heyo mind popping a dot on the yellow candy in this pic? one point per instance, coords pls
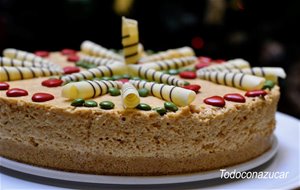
(4, 61)
(99, 61)
(177, 95)
(130, 96)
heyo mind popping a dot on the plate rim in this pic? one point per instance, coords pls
(139, 180)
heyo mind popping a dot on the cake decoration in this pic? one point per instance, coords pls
(193, 87)
(177, 95)
(52, 82)
(16, 92)
(70, 70)
(170, 106)
(67, 51)
(77, 102)
(106, 105)
(143, 106)
(217, 101)
(42, 97)
(234, 97)
(42, 53)
(93, 49)
(4, 86)
(160, 110)
(20, 73)
(98, 61)
(130, 96)
(90, 103)
(88, 89)
(143, 92)
(255, 93)
(73, 58)
(188, 75)
(231, 64)
(130, 40)
(268, 85)
(4, 61)
(201, 65)
(114, 91)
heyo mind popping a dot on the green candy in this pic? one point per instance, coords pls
(106, 78)
(170, 106)
(268, 84)
(107, 105)
(143, 106)
(173, 72)
(126, 76)
(136, 78)
(187, 69)
(186, 83)
(90, 103)
(77, 102)
(165, 72)
(160, 110)
(143, 92)
(114, 91)
(117, 77)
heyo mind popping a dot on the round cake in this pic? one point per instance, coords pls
(159, 114)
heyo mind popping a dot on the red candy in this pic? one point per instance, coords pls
(201, 65)
(71, 69)
(123, 80)
(68, 52)
(73, 58)
(254, 93)
(52, 82)
(219, 61)
(188, 75)
(193, 87)
(42, 97)
(215, 101)
(16, 92)
(234, 97)
(203, 59)
(4, 86)
(42, 53)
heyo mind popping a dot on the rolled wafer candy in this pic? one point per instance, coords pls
(238, 80)
(157, 76)
(26, 56)
(169, 54)
(99, 61)
(20, 73)
(177, 95)
(4, 61)
(88, 89)
(93, 49)
(130, 40)
(174, 63)
(118, 68)
(231, 64)
(130, 96)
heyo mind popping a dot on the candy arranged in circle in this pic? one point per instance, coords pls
(71, 69)
(16, 92)
(73, 58)
(52, 82)
(234, 97)
(188, 75)
(217, 101)
(67, 51)
(4, 86)
(106, 105)
(255, 93)
(193, 87)
(42, 97)
(42, 53)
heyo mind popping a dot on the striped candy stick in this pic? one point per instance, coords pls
(130, 40)
(99, 61)
(4, 61)
(93, 49)
(157, 76)
(177, 95)
(169, 54)
(88, 89)
(118, 68)
(130, 96)
(231, 64)
(20, 73)
(238, 80)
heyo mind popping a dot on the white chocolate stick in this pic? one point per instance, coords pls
(231, 64)
(177, 95)
(169, 54)
(157, 76)
(130, 96)
(4, 61)
(118, 68)
(88, 89)
(174, 63)
(26, 56)
(93, 49)
(130, 40)
(238, 80)
(99, 61)
(20, 73)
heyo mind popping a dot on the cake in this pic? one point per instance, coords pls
(137, 114)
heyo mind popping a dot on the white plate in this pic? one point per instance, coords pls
(287, 160)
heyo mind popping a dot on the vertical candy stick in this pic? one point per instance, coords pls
(130, 96)
(238, 80)
(26, 56)
(93, 49)
(177, 95)
(157, 76)
(20, 73)
(130, 40)
(231, 64)
(99, 61)
(117, 68)
(88, 89)
(4, 61)
(169, 54)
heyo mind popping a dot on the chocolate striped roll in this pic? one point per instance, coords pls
(169, 54)
(177, 95)
(88, 89)
(130, 96)
(99, 61)
(20, 73)
(157, 76)
(117, 68)
(231, 64)
(26, 56)
(4, 61)
(237, 80)
(93, 49)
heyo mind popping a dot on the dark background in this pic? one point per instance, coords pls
(265, 32)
